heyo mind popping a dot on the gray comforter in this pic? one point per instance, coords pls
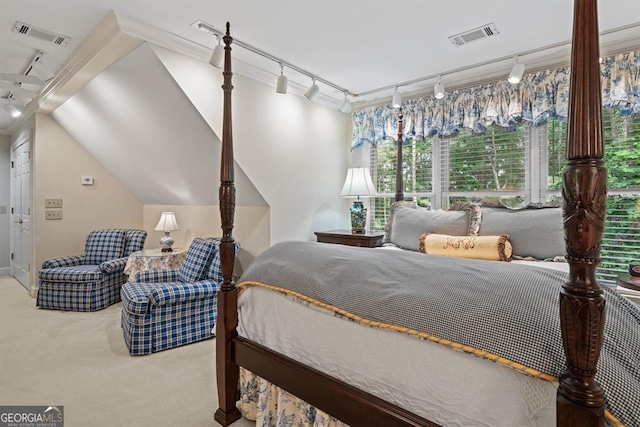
(507, 309)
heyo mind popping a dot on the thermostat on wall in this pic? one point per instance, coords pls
(87, 180)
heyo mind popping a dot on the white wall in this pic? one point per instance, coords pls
(60, 162)
(294, 151)
(139, 124)
(5, 173)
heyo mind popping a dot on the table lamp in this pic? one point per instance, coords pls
(167, 224)
(358, 184)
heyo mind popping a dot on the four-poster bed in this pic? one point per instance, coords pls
(580, 400)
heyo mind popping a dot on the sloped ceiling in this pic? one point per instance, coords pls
(136, 121)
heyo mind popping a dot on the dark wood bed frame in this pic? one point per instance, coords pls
(580, 400)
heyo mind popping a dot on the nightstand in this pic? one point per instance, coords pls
(346, 237)
(629, 287)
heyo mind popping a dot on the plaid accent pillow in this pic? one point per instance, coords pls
(134, 241)
(215, 271)
(104, 245)
(196, 262)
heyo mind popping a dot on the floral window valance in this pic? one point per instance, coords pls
(537, 97)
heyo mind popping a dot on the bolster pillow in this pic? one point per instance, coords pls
(495, 248)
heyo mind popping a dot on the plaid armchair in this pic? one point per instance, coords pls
(91, 281)
(169, 308)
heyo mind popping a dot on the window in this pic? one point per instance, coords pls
(621, 239)
(489, 165)
(517, 167)
(417, 161)
(469, 167)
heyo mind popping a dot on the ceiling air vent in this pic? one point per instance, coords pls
(479, 33)
(40, 34)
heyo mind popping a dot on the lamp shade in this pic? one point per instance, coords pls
(358, 183)
(167, 222)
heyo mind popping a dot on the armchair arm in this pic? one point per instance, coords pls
(113, 265)
(155, 276)
(175, 292)
(70, 261)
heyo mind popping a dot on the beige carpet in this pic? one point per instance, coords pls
(79, 360)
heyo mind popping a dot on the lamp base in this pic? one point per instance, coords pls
(166, 242)
(358, 217)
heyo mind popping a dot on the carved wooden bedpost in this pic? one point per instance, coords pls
(580, 400)
(227, 371)
(399, 180)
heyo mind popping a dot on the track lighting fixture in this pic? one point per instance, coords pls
(12, 109)
(282, 83)
(516, 72)
(396, 101)
(438, 89)
(312, 91)
(345, 105)
(218, 55)
(281, 86)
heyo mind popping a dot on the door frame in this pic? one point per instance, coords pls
(25, 137)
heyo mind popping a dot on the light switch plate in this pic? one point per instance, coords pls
(53, 214)
(3, 209)
(52, 203)
(87, 180)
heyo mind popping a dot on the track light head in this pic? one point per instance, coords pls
(217, 57)
(312, 92)
(12, 109)
(345, 105)
(396, 101)
(281, 86)
(516, 72)
(438, 90)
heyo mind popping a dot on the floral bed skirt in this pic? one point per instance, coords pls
(271, 406)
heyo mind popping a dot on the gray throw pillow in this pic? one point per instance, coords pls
(534, 232)
(410, 222)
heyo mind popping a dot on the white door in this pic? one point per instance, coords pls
(21, 212)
